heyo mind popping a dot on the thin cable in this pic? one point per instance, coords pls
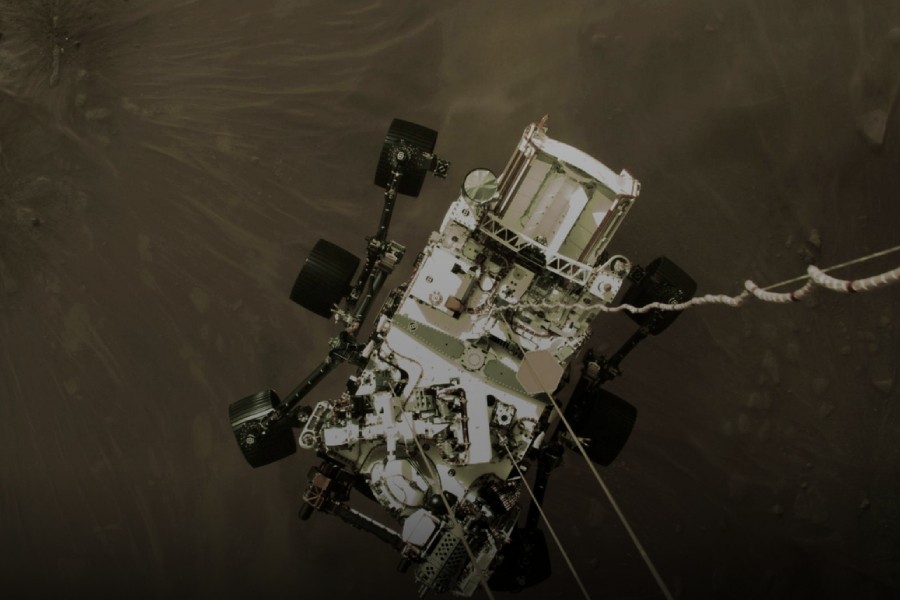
(855, 285)
(835, 267)
(637, 543)
(547, 523)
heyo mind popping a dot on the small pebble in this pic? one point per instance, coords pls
(814, 239)
(894, 36)
(792, 351)
(885, 386)
(806, 256)
(819, 385)
(758, 401)
(865, 504)
(97, 114)
(769, 372)
(873, 126)
(777, 510)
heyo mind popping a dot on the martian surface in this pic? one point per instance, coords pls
(166, 166)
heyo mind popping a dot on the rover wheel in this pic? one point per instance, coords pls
(325, 278)
(606, 423)
(526, 562)
(418, 136)
(662, 281)
(260, 449)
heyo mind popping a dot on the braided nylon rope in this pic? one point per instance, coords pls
(817, 277)
(858, 285)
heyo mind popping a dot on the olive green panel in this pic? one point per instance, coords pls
(445, 345)
(496, 372)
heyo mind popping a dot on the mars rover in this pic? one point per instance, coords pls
(454, 395)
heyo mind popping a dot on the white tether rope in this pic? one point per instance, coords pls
(815, 275)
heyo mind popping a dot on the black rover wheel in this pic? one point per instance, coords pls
(260, 449)
(605, 423)
(419, 137)
(526, 562)
(325, 278)
(662, 281)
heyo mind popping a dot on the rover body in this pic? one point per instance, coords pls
(454, 395)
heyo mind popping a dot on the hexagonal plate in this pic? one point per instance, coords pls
(539, 372)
